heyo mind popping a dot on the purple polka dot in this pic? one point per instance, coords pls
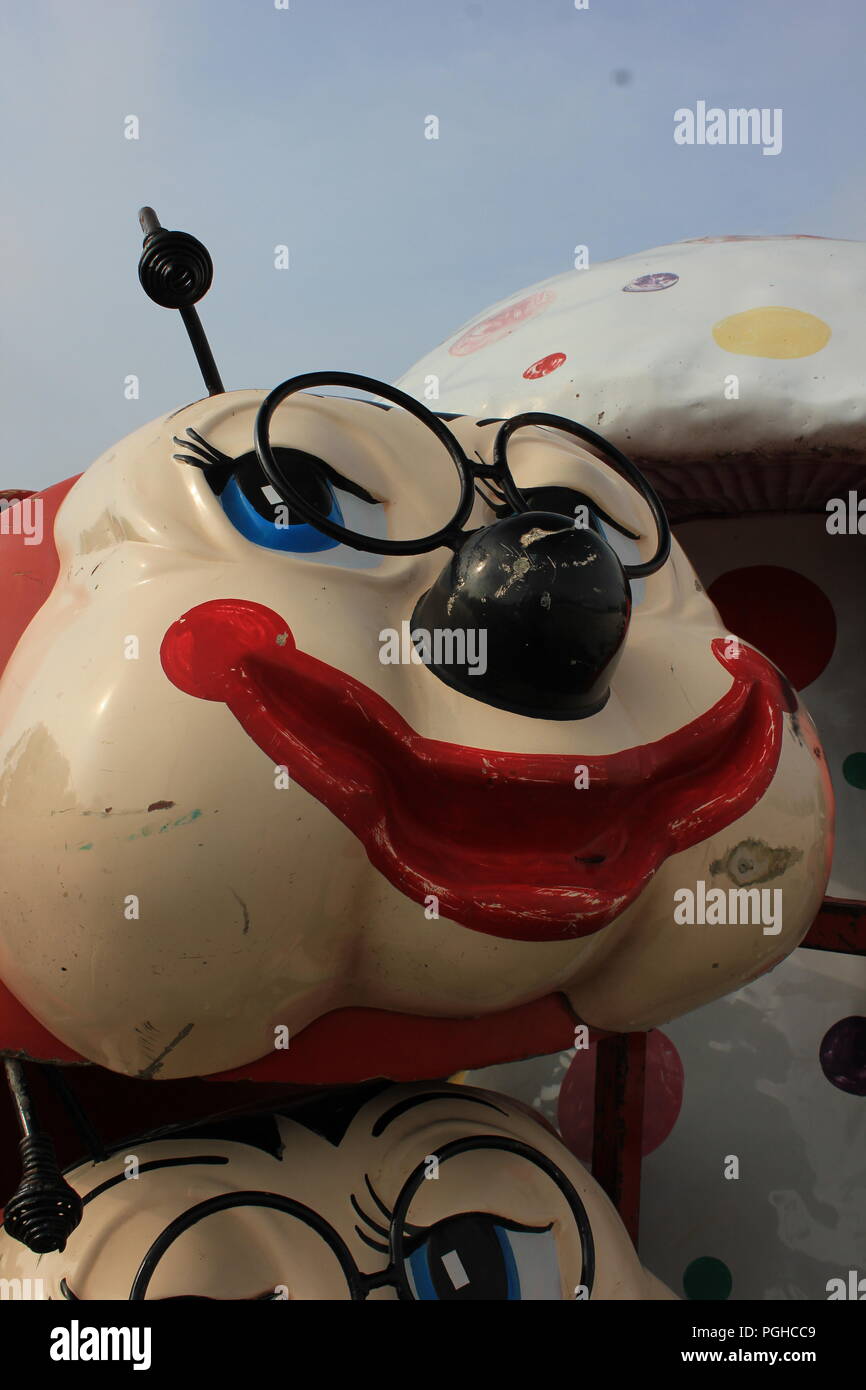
(657, 280)
(843, 1055)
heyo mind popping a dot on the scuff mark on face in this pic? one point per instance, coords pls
(146, 830)
(108, 530)
(36, 777)
(156, 1065)
(168, 825)
(754, 861)
(244, 909)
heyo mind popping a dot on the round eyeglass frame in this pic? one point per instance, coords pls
(451, 534)
(614, 457)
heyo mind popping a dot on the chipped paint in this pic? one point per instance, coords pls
(518, 570)
(754, 861)
(538, 533)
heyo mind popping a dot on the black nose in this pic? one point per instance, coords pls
(545, 607)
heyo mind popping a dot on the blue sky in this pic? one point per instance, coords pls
(261, 126)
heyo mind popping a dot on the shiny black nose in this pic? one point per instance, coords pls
(543, 608)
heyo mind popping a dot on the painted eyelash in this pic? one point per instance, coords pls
(202, 454)
(219, 468)
(416, 1235)
(388, 1215)
(373, 1225)
(501, 507)
(412, 1232)
(376, 1245)
(202, 451)
(505, 1223)
(494, 499)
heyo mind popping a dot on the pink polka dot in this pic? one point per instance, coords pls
(663, 1096)
(544, 366)
(499, 325)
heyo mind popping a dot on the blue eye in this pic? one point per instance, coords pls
(255, 507)
(476, 1256)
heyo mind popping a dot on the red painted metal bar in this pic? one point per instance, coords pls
(618, 1133)
(839, 926)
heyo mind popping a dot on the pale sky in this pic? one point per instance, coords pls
(305, 126)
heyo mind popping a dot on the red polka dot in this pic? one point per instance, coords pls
(783, 614)
(663, 1096)
(544, 366)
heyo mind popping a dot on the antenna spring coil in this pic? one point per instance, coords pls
(175, 270)
(45, 1210)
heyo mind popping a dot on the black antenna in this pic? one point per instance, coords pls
(75, 1110)
(176, 271)
(44, 1210)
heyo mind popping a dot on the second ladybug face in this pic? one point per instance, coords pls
(429, 1193)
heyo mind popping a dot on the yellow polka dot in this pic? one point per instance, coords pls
(772, 332)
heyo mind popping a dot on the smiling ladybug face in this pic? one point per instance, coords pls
(263, 792)
(427, 1193)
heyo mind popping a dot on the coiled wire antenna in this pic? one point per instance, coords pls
(45, 1210)
(176, 271)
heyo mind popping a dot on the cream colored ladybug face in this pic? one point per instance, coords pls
(228, 808)
(425, 1192)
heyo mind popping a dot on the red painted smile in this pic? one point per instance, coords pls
(506, 841)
